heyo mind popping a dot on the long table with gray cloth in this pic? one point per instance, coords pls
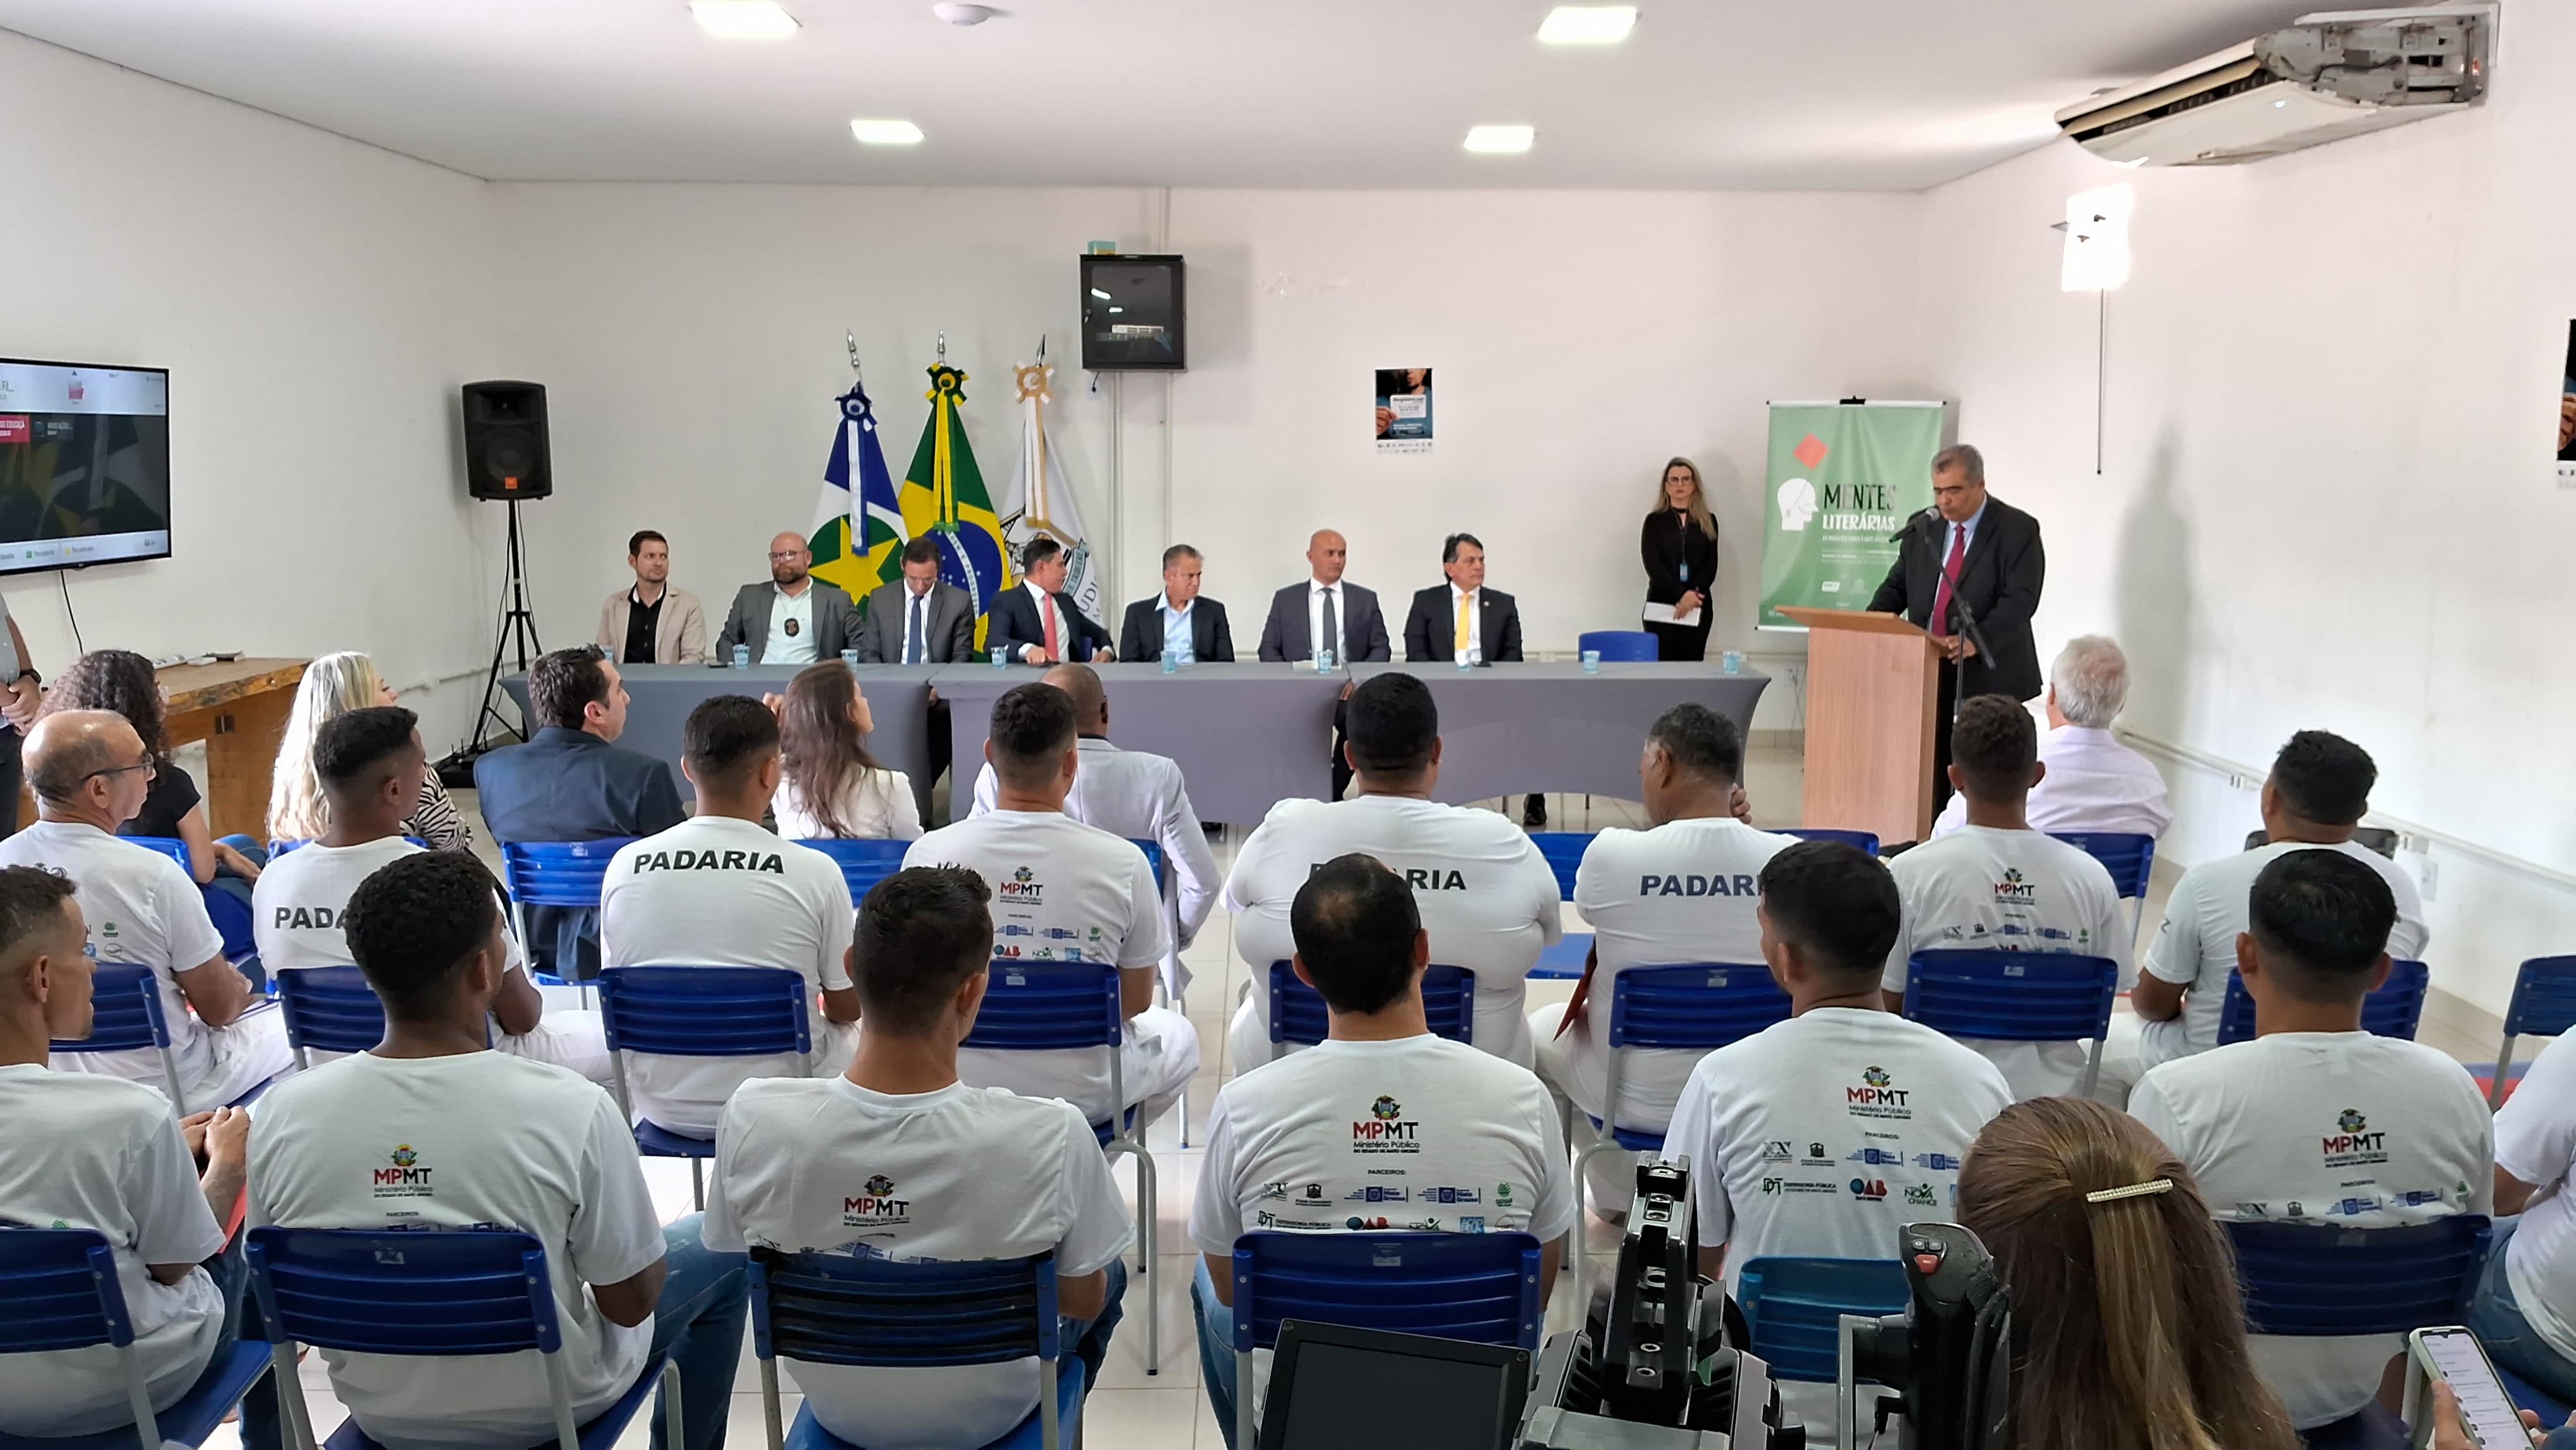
(1250, 735)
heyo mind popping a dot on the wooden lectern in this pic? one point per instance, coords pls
(1873, 685)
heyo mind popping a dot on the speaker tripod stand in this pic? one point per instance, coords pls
(516, 639)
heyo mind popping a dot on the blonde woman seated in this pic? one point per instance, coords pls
(833, 787)
(297, 810)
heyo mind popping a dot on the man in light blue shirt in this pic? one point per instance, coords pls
(1177, 624)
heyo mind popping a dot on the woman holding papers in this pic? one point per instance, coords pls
(1679, 545)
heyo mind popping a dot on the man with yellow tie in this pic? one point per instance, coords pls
(1465, 622)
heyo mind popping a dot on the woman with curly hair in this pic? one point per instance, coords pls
(125, 683)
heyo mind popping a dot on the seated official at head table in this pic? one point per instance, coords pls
(1326, 612)
(917, 619)
(1462, 619)
(795, 618)
(2094, 783)
(652, 623)
(1178, 622)
(1037, 623)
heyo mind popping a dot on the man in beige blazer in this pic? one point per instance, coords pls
(652, 623)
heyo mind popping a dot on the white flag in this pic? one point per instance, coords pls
(1040, 501)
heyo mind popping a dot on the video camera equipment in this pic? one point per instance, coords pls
(1948, 1356)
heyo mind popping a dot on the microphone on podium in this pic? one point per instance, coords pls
(1910, 524)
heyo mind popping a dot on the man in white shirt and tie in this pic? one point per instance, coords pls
(2094, 783)
(1327, 613)
(1134, 794)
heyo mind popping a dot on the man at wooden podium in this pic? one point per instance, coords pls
(1970, 565)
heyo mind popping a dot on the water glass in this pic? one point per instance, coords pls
(742, 656)
(1324, 660)
(850, 657)
(1731, 662)
(1171, 663)
(1001, 659)
(1592, 662)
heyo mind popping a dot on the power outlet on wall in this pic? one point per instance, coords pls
(2429, 879)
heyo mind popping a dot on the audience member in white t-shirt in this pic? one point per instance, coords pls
(832, 786)
(2319, 789)
(1455, 1139)
(1066, 892)
(1998, 885)
(369, 764)
(1820, 1136)
(2094, 783)
(718, 890)
(87, 1151)
(90, 772)
(1678, 894)
(898, 1159)
(2525, 1313)
(481, 1138)
(2317, 1121)
(1486, 895)
(1138, 795)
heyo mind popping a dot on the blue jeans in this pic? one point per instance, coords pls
(698, 1322)
(1088, 1339)
(259, 1411)
(2498, 1323)
(1216, 1347)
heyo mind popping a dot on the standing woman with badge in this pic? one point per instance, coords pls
(1679, 545)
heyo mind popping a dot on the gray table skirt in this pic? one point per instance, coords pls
(1248, 736)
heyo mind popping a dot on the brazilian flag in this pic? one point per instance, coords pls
(943, 496)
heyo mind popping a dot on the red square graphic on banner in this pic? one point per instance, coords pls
(1810, 451)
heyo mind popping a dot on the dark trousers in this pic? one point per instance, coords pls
(1945, 705)
(1683, 641)
(1341, 738)
(12, 775)
(940, 748)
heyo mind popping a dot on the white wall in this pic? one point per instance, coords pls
(691, 340)
(2327, 498)
(316, 301)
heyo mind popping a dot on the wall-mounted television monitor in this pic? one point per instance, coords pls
(84, 465)
(1132, 314)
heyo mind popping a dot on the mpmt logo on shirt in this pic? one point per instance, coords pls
(2013, 888)
(2355, 1144)
(1023, 889)
(1652, 885)
(405, 1179)
(685, 860)
(1875, 1098)
(876, 1206)
(1384, 1130)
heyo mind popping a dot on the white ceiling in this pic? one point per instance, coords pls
(1806, 94)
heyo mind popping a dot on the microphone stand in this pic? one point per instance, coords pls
(1977, 636)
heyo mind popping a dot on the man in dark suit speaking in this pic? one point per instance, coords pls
(1969, 560)
(1037, 623)
(1180, 619)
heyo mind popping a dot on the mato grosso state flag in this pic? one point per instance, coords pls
(1842, 478)
(1040, 503)
(943, 496)
(858, 528)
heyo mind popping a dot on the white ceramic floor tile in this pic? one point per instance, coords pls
(1170, 1287)
(1162, 1418)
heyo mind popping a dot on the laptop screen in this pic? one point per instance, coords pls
(1344, 1396)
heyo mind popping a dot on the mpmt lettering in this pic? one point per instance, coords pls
(710, 861)
(389, 1176)
(1373, 1131)
(1695, 886)
(1888, 1097)
(2337, 1143)
(871, 1206)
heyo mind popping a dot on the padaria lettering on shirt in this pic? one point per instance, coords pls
(688, 860)
(1419, 878)
(1740, 884)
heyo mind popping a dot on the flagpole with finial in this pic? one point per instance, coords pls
(852, 339)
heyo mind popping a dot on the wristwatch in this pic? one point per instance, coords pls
(29, 673)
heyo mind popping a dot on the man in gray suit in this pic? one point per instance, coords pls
(795, 618)
(1326, 613)
(918, 621)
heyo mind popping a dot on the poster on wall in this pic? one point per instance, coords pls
(1842, 478)
(2567, 413)
(1404, 410)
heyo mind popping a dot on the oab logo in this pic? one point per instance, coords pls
(2013, 888)
(1385, 1129)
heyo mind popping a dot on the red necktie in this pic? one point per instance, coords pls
(1055, 651)
(1949, 579)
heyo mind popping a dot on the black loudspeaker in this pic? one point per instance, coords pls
(505, 441)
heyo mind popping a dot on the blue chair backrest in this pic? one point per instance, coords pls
(1482, 1288)
(863, 1310)
(2392, 1011)
(1794, 1308)
(2129, 857)
(59, 1290)
(2544, 998)
(557, 873)
(329, 1009)
(125, 1011)
(1867, 841)
(1563, 852)
(170, 846)
(2322, 1279)
(1702, 1006)
(1044, 1006)
(2012, 996)
(1621, 644)
(863, 863)
(1298, 1014)
(1153, 855)
(705, 1011)
(472, 1291)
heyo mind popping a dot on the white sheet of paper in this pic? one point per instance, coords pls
(1663, 614)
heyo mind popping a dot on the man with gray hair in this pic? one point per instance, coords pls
(2094, 783)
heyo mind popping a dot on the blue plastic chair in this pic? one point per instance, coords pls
(1479, 1287)
(125, 1007)
(59, 1290)
(2392, 1011)
(170, 846)
(1794, 1307)
(845, 1310)
(2309, 1280)
(1167, 886)
(328, 1009)
(567, 874)
(1867, 841)
(1694, 1008)
(698, 1012)
(1298, 1014)
(2016, 997)
(1563, 852)
(2543, 1005)
(863, 863)
(1632, 645)
(439, 1293)
(230, 916)
(2128, 856)
(1034, 1006)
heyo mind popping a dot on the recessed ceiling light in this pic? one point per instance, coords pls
(743, 19)
(955, 12)
(1587, 24)
(1500, 139)
(886, 133)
